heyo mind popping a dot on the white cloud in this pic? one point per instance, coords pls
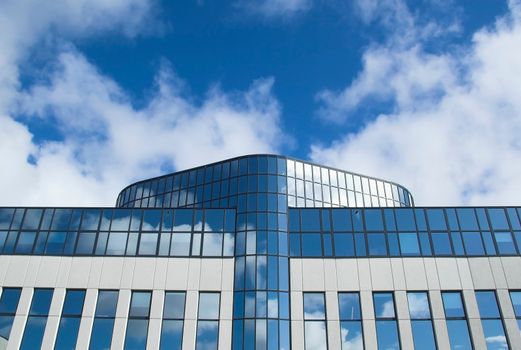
(453, 134)
(107, 141)
(274, 9)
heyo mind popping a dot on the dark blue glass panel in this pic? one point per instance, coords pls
(494, 334)
(358, 224)
(513, 218)
(327, 243)
(67, 333)
(505, 243)
(425, 244)
(73, 304)
(294, 244)
(310, 220)
(409, 244)
(349, 306)
(387, 335)
(326, 222)
(25, 242)
(214, 220)
(17, 218)
(487, 304)
(423, 335)
(441, 243)
(420, 219)
(383, 305)
(390, 223)
(207, 335)
(515, 296)
(377, 244)
(490, 249)
(3, 237)
(86, 242)
(33, 333)
(238, 328)
(467, 219)
(6, 323)
(9, 300)
(498, 218)
(373, 220)
(39, 248)
(136, 336)
(314, 306)
(311, 244)
(120, 220)
(284, 333)
(457, 243)
(183, 220)
(60, 221)
(6, 215)
(436, 219)
(294, 220)
(174, 306)
(32, 219)
(273, 335)
(344, 245)
(351, 335)
(459, 337)
(360, 244)
(473, 243)
(41, 302)
(394, 246)
(151, 220)
(405, 219)
(55, 242)
(482, 219)
(107, 302)
(453, 304)
(171, 335)
(452, 219)
(140, 304)
(341, 220)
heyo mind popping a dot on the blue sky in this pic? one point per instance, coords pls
(97, 94)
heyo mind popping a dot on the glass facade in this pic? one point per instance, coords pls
(104, 317)
(37, 319)
(8, 304)
(457, 323)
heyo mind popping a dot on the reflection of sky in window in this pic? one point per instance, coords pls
(383, 305)
(351, 337)
(315, 334)
(314, 308)
(418, 305)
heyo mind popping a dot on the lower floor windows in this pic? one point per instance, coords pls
(387, 334)
(104, 317)
(491, 320)
(207, 337)
(315, 329)
(173, 316)
(37, 319)
(351, 336)
(138, 318)
(459, 336)
(421, 321)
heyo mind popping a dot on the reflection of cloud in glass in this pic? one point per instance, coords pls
(387, 310)
(315, 335)
(497, 342)
(350, 341)
(418, 305)
(314, 306)
(273, 307)
(212, 244)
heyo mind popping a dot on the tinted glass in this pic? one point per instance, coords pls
(171, 335)
(387, 335)
(314, 306)
(453, 304)
(107, 302)
(41, 302)
(101, 336)
(459, 336)
(441, 243)
(33, 333)
(494, 334)
(349, 306)
(315, 335)
(209, 306)
(351, 335)
(9, 300)
(136, 336)
(487, 304)
(311, 244)
(498, 219)
(515, 296)
(73, 304)
(67, 333)
(377, 244)
(207, 335)
(310, 220)
(409, 244)
(405, 220)
(174, 306)
(418, 305)
(383, 305)
(423, 335)
(140, 304)
(373, 220)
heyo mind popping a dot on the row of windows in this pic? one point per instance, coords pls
(387, 330)
(115, 219)
(104, 318)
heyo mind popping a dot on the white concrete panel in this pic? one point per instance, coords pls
(513, 334)
(415, 278)
(476, 331)
(330, 279)
(57, 302)
(364, 274)
(225, 334)
(481, 273)
(84, 332)
(154, 333)
(432, 273)
(226, 305)
(332, 306)
(227, 274)
(505, 303)
(381, 274)
(295, 274)
(127, 276)
(441, 333)
(313, 275)
(347, 274)
(210, 278)
(118, 336)
(189, 330)
(4, 265)
(333, 334)
(177, 276)
(402, 308)
(436, 304)
(297, 306)
(79, 272)
(471, 304)
(194, 271)
(123, 303)
(160, 273)
(497, 272)
(111, 273)
(96, 267)
(63, 272)
(48, 271)
(297, 334)
(464, 273)
(512, 269)
(91, 298)
(369, 327)
(144, 270)
(406, 334)
(32, 271)
(398, 274)
(448, 275)
(51, 330)
(192, 299)
(16, 271)
(25, 301)
(156, 307)
(366, 303)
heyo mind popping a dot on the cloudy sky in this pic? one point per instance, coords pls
(97, 94)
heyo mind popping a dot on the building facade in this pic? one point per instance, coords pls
(261, 252)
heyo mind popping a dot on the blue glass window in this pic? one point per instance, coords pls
(315, 329)
(173, 315)
(457, 326)
(473, 243)
(35, 326)
(386, 324)
(409, 244)
(8, 305)
(373, 220)
(101, 336)
(491, 320)
(344, 244)
(311, 245)
(421, 321)
(208, 321)
(70, 320)
(310, 220)
(498, 219)
(341, 220)
(405, 220)
(467, 219)
(137, 325)
(441, 243)
(350, 321)
(436, 220)
(505, 243)
(377, 244)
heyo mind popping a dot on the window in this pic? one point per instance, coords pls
(421, 320)
(208, 321)
(70, 320)
(35, 326)
(386, 324)
(8, 305)
(351, 335)
(315, 329)
(104, 317)
(515, 296)
(457, 326)
(137, 326)
(491, 320)
(173, 316)
(409, 244)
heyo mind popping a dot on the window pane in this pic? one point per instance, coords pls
(311, 244)
(107, 302)
(180, 244)
(209, 306)
(453, 304)
(351, 335)
(459, 337)
(67, 333)
(383, 305)
(423, 335)
(101, 336)
(344, 245)
(387, 335)
(349, 306)
(212, 244)
(25, 242)
(441, 243)
(174, 305)
(314, 306)
(409, 244)
(505, 244)
(117, 243)
(136, 336)
(405, 219)
(487, 304)
(207, 335)
(498, 218)
(33, 334)
(73, 304)
(6, 322)
(148, 244)
(171, 335)
(310, 220)
(436, 219)
(85, 244)
(377, 244)
(418, 305)
(494, 334)
(9, 300)
(467, 219)
(315, 335)
(341, 220)
(516, 302)
(140, 304)
(473, 243)
(41, 302)
(373, 220)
